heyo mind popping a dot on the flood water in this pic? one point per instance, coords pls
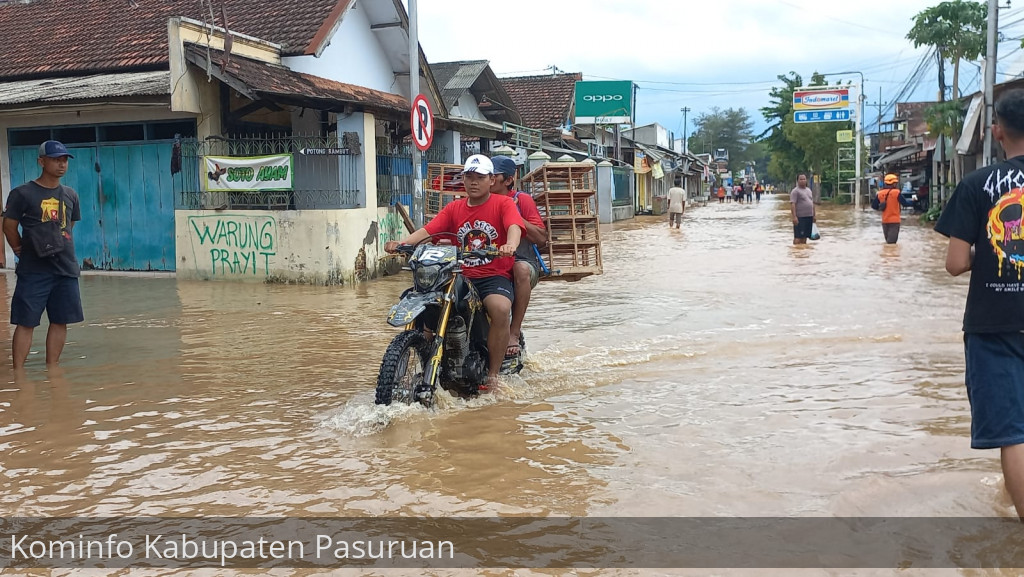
(715, 370)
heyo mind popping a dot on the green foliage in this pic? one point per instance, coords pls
(933, 214)
(957, 28)
(731, 129)
(945, 118)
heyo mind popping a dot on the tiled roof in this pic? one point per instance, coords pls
(544, 102)
(85, 36)
(262, 79)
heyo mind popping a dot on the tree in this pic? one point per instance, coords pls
(956, 28)
(730, 129)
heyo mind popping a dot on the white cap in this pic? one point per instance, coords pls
(479, 163)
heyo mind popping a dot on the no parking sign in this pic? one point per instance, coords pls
(421, 119)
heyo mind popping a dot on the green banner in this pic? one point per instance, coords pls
(604, 102)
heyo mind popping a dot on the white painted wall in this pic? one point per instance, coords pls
(354, 56)
(466, 107)
(305, 246)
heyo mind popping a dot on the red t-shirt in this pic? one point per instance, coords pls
(527, 208)
(484, 226)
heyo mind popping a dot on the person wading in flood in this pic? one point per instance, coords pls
(894, 203)
(801, 206)
(983, 223)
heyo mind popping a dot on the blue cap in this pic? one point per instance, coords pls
(54, 149)
(504, 165)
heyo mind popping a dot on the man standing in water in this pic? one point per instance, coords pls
(982, 221)
(801, 207)
(44, 282)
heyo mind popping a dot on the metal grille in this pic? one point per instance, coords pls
(320, 181)
(395, 175)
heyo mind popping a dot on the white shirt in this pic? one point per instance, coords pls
(676, 198)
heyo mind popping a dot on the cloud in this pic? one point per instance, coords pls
(723, 53)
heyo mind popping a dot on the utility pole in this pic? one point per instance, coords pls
(414, 91)
(990, 78)
(684, 110)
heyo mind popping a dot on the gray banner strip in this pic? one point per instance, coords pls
(518, 542)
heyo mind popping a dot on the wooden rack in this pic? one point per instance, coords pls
(566, 193)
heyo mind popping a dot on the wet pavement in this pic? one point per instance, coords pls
(714, 370)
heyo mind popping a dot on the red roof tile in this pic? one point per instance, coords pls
(284, 84)
(109, 35)
(544, 102)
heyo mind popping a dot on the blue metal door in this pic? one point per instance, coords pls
(127, 197)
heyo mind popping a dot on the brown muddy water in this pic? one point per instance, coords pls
(714, 370)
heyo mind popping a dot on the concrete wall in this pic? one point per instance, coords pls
(355, 56)
(296, 246)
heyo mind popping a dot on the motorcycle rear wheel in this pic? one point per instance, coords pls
(402, 368)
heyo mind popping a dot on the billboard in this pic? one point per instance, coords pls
(820, 99)
(604, 102)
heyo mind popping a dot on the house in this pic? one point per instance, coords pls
(656, 164)
(478, 105)
(546, 103)
(172, 109)
(970, 142)
(906, 147)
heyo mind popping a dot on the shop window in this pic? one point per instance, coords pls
(122, 132)
(30, 137)
(75, 134)
(168, 130)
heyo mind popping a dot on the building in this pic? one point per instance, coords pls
(152, 97)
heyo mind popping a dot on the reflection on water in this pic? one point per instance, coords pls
(713, 370)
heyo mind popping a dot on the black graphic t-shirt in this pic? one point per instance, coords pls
(31, 204)
(986, 210)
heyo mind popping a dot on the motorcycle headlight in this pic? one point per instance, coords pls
(426, 276)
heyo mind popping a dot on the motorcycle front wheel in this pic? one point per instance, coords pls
(402, 368)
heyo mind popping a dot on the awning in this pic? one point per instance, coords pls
(93, 87)
(475, 127)
(256, 80)
(970, 130)
(895, 155)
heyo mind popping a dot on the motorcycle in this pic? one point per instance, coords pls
(445, 338)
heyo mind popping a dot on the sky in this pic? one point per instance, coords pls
(703, 54)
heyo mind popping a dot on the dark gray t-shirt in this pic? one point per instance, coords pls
(31, 204)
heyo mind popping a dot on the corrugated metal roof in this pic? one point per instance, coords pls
(94, 87)
(455, 78)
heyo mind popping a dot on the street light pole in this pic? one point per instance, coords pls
(684, 110)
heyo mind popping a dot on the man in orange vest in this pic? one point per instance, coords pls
(894, 202)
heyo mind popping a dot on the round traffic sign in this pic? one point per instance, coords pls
(421, 119)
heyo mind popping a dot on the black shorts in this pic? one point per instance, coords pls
(493, 285)
(58, 295)
(802, 229)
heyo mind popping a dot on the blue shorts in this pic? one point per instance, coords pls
(995, 388)
(59, 295)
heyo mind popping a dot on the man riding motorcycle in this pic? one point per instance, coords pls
(481, 221)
